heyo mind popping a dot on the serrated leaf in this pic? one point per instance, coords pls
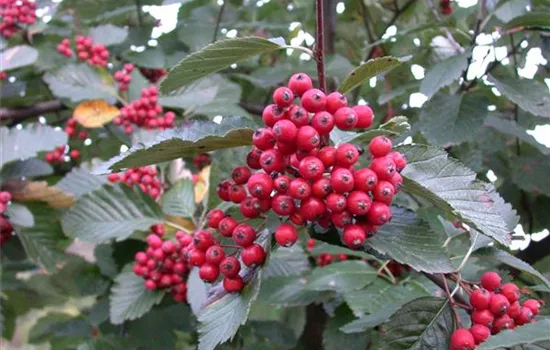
(424, 323)
(7, 319)
(88, 10)
(221, 319)
(367, 322)
(19, 215)
(393, 127)
(111, 213)
(290, 291)
(196, 94)
(80, 82)
(103, 254)
(528, 173)
(527, 334)
(21, 144)
(452, 187)
(213, 58)
(511, 128)
(95, 113)
(342, 276)
(287, 262)
(180, 199)
(448, 120)
(79, 181)
(322, 248)
(369, 69)
(444, 73)
(409, 241)
(106, 342)
(197, 291)
(129, 299)
(108, 34)
(41, 191)
(197, 137)
(529, 94)
(531, 20)
(18, 56)
(27, 168)
(335, 339)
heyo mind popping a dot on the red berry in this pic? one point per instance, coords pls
(253, 255)
(272, 161)
(354, 236)
(260, 185)
(233, 285)
(384, 167)
(299, 83)
(299, 188)
(321, 187)
(272, 114)
(203, 240)
(336, 203)
(5, 196)
(311, 168)
(480, 333)
(286, 235)
(484, 317)
(462, 339)
(341, 180)
(383, 192)
(480, 299)
(237, 193)
(327, 155)
(283, 205)
(298, 115)
(215, 254)
(501, 323)
(312, 208)
(345, 118)
(226, 226)
(347, 155)
(214, 217)
(223, 190)
(196, 257)
(323, 122)
(490, 280)
(281, 183)
(314, 100)
(525, 316)
(365, 180)
(364, 116)
(244, 235)
(532, 304)
(264, 138)
(150, 284)
(513, 310)
(358, 203)
(308, 138)
(241, 175)
(335, 101)
(209, 272)
(400, 161)
(74, 154)
(379, 213)
(380, 146)
(285, 131)
(283, 97)
(168, 247)
(510, 291)
(499, 304)
(396, 181)
(230, 267)
(154, 241)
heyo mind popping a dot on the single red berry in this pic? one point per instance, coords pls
(214, 217)
(480, 299)
(285, 131)
(299, 188)
(312, 208)
(253, 255)
(244, 235)
(314, 100)
(345, 118)
(233, 285)
(223, 190)
(154, 241)
(499, 304)
(308, 138)
(396, 181)
(358, 203)
(264, 138)
(513, 310)
(241, 175)
(230, 267)
(215, 254)
(364, 116)
(272, 114)
(525, 316)
(341, 219)
(286, 148)
(281, 183)
(383, 192)
(168, 247)
(532, 304)
(203, 240)
(490, 281)
(261, 205)
(5, 197)
(253, 158)
(462, 339)
(354, 236)
(298, 115)
(384, 167)
(380, 146)
(150, 284)
(283, 97)
(335, 101)
(196, 257)
(484, 317)
(336, 203)
(480, 333)
(327, 155)
(323, 122)
(260, 185)
(321, 187)
(286, 235)
(209, 272)
(74, 154)
(311, 168)
(226, 226)
(299, 83)
(379, 213)
(341, 180)
(510, 291)
(365, 180)
(347, 155)
(283, 205)
(502, 323)
(400, 160)
(272, 161)
(237, 193)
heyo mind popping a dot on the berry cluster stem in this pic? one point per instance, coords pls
(451, 301)
(320, 45)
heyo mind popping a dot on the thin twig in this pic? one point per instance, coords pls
(480, 16)
(139, 14)
(451, 301)
(448, 33)
(320, 45)
(218, 21)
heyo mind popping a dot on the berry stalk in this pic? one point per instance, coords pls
(320, 45)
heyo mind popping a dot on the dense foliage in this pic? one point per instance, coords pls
(192, 187)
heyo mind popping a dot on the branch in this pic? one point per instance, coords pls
(441, 284)
(17, 115)
(320, 45)
(218, 21)
(330, 25)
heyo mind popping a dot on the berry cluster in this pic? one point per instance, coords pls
(64, 48)
(153, 74)
(16, 13)
(145, 177)
(86, 51)
(71, 129)
(57, 156)
(496, 307)
(6, 229)
(202, 160)
(163, 265)
(123, 77)
(3, 75)
(145, 112)
(445, 7)
(325, 259)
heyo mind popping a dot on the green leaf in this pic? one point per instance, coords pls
(393, 127)
(387, 96)
(19, 215)
(79, 182)
(108, 34)
(111, 213)
(103, 254)
(424, 323)
(448, 120)
(529, 94)
(452, 187)
(527, 334)
(531, 20)
(215, 57)
(197, 137)
(18, 56)
(197, 291)
(150, 58)
(322, 248)
(180, 199)
(27, 168)
(221, 319)
(511, 128)
(290, 291)
(7, 319)
(528, 172)
(341, 277)
(80, 82)
(287, 262)
(409, 240)
(88, 10)
(367, 322)
(509, 10)
(198, 93)
(369, 69)
(21, 144)
(335, 339)
(444, 73)
(129, 298)
(106, 342)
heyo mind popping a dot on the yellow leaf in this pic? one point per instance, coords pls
(95, 113)
(180, 223)
(41, 191)
(201, 187)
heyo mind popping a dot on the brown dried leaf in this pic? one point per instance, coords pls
(95, 113)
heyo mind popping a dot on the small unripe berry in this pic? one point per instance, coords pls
(233, 285)
(480, 333)
(314, 100)
(380, 146)
(354, 236)
(286, 235)
(209, 272)
(230, 267)
(253, 255)
(462, 339)
(490, 280)
(480, 299)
